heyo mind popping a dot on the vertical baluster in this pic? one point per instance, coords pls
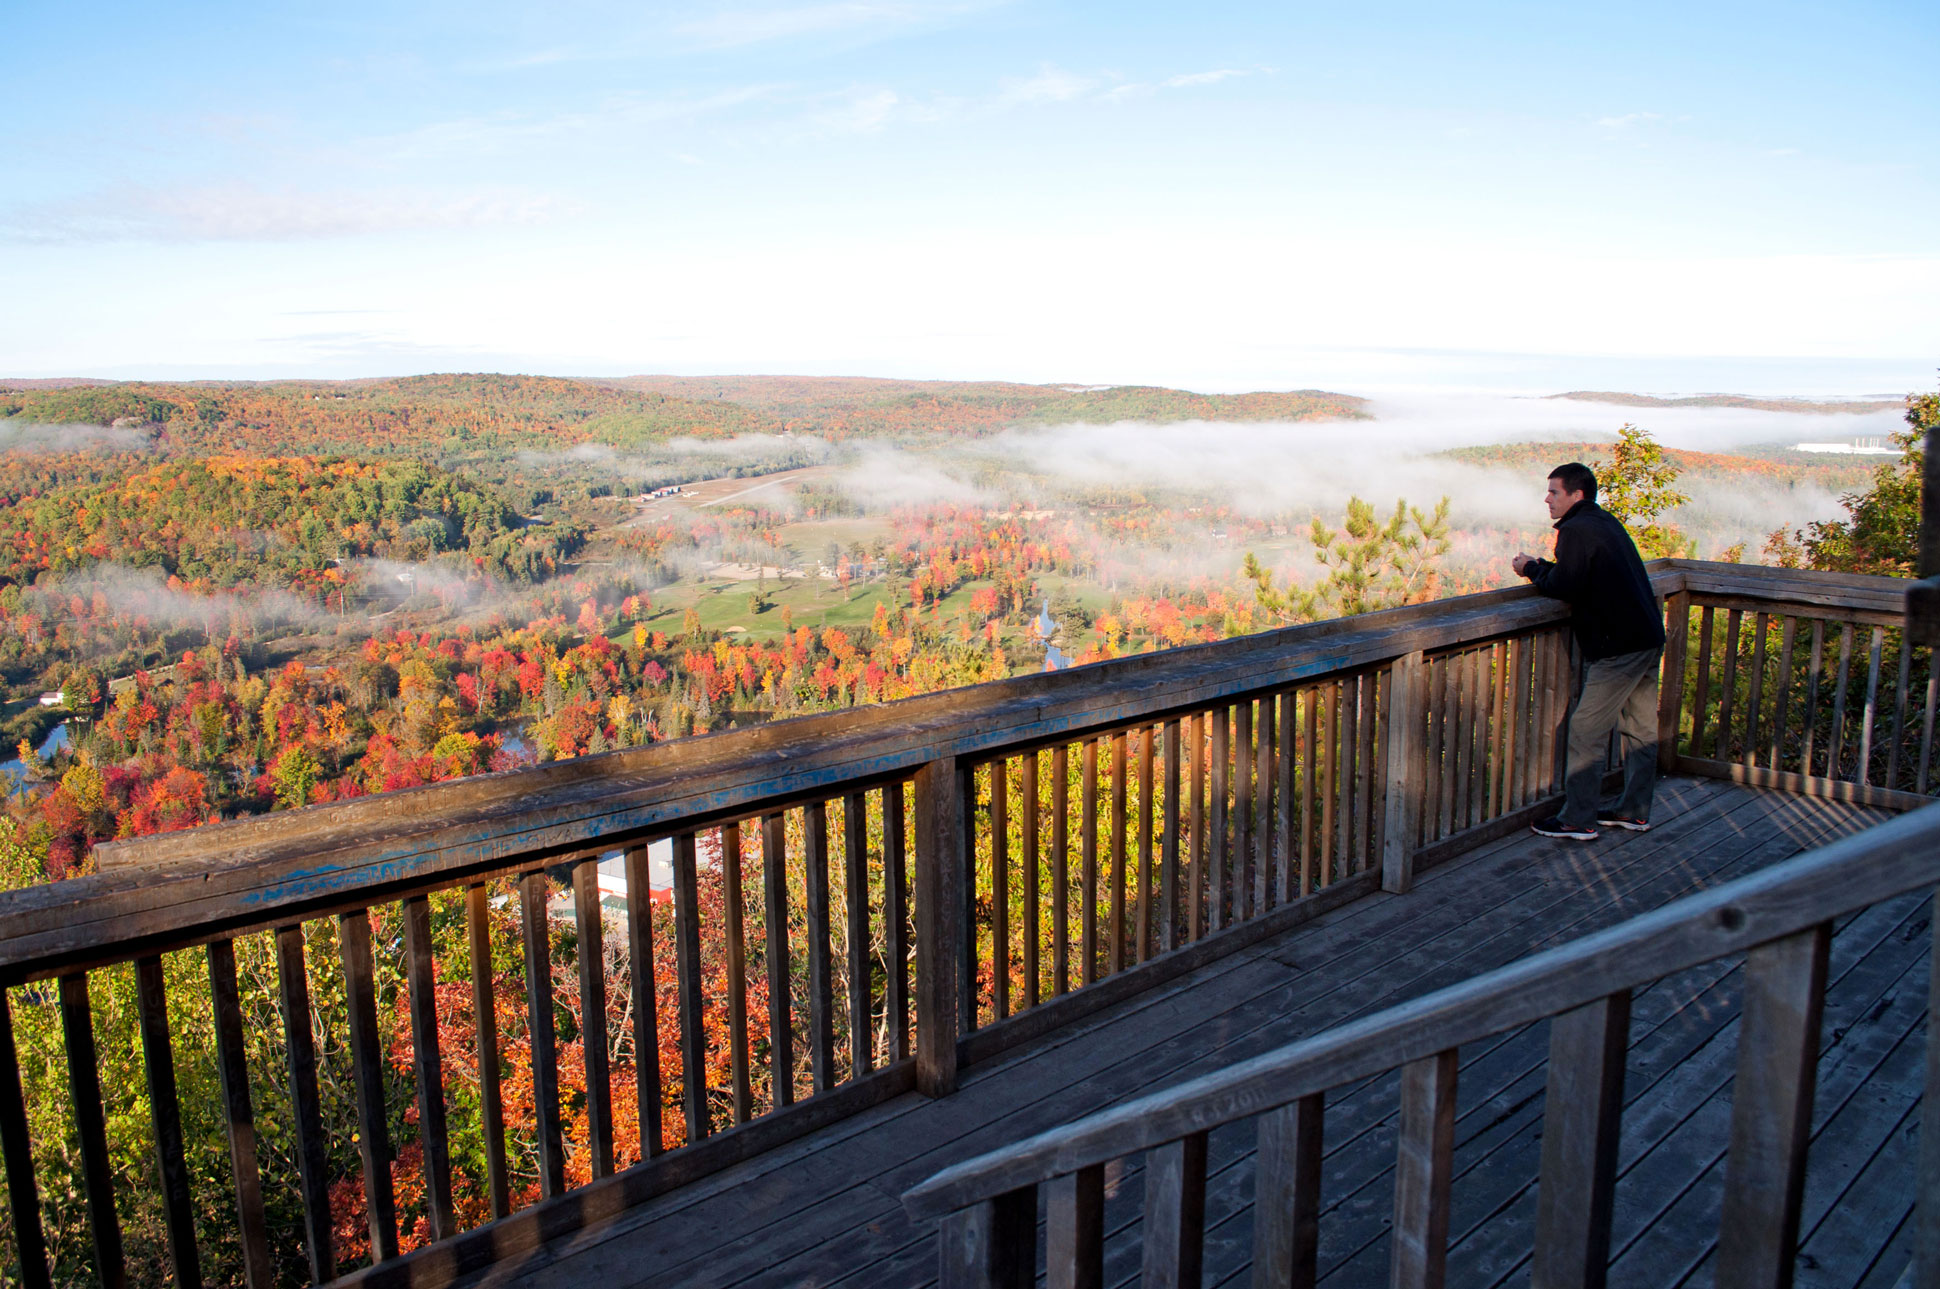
(1366, 794)
(1286, 1196)
(1422, 1172)
(1534, 757)
(1115, 940)
(1000, 888)
(821, 989)
(1310, 759)
(589, 924)
(1437, 714)
(1175, 1213)
(1331, 781)
(1145, 889)
(1061, 868)
(737, 972)
(781, 1023)
(646, 1011)
(1449, 750)
(1926, 727)
(1028, 859)
(1701, 700)
(1582, 1115)
(478, 930)
(23, 1196)
(855, 874)
(896, 914)
(1782, 698)
(300, 1050)
(1481, 703)
(1900, 696)
(1088, 860)
(232, 1064)
(1836, 741)
(1502, 742)
(1219, 818)
(1870, 714)
(428, 1067)
(1771, 1108)
(1243, 812)
(991, 1245)
(367, 1069)
(1265, 881)
(687, 967)
(1074, 1234)
(90, 1125)
(1380, 686)
(1728, 689)
(1462, 717)
(1564, 674)
(1169, 934)
(1285, 863)
(1754, 702)
(1196, 827)
(1815, 671)
(1516, 714)
(165, 1112)
(535, 935)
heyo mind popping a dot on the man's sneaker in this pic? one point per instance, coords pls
(1627, 822)
(1555, 827)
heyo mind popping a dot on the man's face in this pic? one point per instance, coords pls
(1559, 502)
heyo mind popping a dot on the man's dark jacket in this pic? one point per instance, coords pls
(1598, 572)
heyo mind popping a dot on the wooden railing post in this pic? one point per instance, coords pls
(1670, 694)
(1405, 767)
(991, 1245)
(941, 863)
(1582, 1112)
(1771, 1108)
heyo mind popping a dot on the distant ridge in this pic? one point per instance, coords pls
(1817, 407)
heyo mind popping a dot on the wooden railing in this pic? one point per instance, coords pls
(412, 1021)
(1780, 919)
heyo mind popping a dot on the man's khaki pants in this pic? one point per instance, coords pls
(1618, 693)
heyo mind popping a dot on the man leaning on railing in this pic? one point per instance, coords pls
(1620, 635)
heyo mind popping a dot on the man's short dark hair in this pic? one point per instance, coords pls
(1576, 477)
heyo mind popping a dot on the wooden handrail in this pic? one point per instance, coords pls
(1853, 873)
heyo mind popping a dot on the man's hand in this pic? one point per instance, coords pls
(1521, 562)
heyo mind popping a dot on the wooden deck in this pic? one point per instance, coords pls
(825, 1210)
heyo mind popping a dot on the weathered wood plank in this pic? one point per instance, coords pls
(1814, 786)
(688, 987)
(1088, 861)
(1145, 900)
(1075, 1230)
(1836, 741)
(941, 789)
(1782, 698)
(535, 889)
(734, 932)
(821, 984)
(23, 1196)
(1028, 859)
(165, 1114)
(646, 1014)
(1196, 885)
(1771, 1108)
(990, 1246)
(367, 1070)
(589, 925)
(1115, 938)
(90, 1126)
(478, 939)
(1175, 1213)
(300, 1054)
(1754, 702)
(896, 913)
(1728, 689)
(1582, 1115)
(855, 879)
(239, 1115)
(1926, 1212)
(1815, 671)
(1869, 716)
(781, 1023)
(1422, 1172)
(1286, 1195)
(1243, 757)
(1405, 764)
(999, 833)
(1286, 762)
(428, 1068)
(1061, 869)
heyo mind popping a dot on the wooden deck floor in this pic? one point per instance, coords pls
(825, 1211)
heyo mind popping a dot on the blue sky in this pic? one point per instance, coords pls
(1356, 196)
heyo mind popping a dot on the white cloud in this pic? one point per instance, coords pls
(733, 27)
(1627, 120)
(244, 212)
